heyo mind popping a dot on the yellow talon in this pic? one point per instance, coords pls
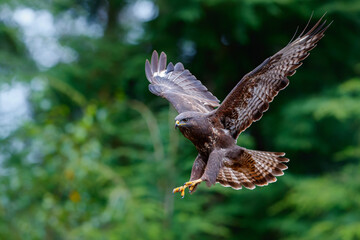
(180, 189)
(191, 185)
(191, 188)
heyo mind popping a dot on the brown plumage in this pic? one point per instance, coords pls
(214, 128)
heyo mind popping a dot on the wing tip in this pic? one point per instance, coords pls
(154, 61)
(318, 28)
(157, 64)
(162, 54)
(154, 53)
(170, 67)
(148, 71)
(179, 67)
(162, 62)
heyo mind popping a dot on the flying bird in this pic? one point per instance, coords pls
(214, 128)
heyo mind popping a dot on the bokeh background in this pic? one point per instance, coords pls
(87, 152)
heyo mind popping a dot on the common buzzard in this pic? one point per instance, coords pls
(214, 128)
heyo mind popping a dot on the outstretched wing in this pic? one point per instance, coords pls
(178, 86)
(252, 95)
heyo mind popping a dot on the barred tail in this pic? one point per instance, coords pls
(252, 168)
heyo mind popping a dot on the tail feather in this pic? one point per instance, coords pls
(252, 168)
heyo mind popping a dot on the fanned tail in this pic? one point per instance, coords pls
(252, 168)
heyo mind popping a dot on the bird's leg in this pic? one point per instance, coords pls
(191, 185)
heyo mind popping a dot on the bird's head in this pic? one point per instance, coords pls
(182, 122)
(188, 120)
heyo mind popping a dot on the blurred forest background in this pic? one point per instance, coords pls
(87, 152)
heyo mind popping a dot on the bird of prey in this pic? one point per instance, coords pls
(214, 128)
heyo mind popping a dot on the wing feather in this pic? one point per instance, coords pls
(252, 95)
(178, 85)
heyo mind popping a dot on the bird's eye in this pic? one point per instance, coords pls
(185, 119)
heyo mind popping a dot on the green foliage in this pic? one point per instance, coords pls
(100, 156)
(327, 205)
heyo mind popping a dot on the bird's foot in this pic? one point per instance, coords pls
(191, 185)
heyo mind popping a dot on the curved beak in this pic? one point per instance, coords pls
(177, 124)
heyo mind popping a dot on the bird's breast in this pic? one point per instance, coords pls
(216, 138)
